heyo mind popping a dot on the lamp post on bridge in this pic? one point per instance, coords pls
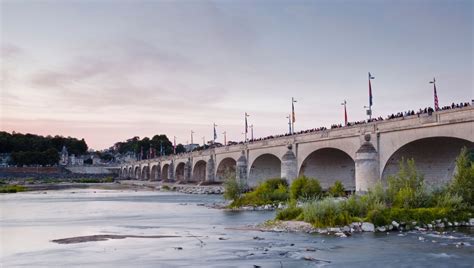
(225, 138)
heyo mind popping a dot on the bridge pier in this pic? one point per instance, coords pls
(171, 176)
(289, 167)
(366, 166)
(241, 169)
(188, 166)
(211, 169)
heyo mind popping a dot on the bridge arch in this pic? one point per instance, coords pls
(227, 164)
(180, 171)
(199, 171)
(391, 142)
(435, 158)
(154, 172)
(164, 172)
(265, 166)
(145, 173)
(130, 172)
(136, 173)
(328, 165)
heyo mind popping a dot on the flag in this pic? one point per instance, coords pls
(215, 132)
(293, 117)
(246, 125)
(345, 114)
(436, 104)
(370, 90)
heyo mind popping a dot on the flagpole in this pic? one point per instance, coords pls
(246, 126)
(192, 132)
(289, 124)
(369, 111)
(345, 112)
(174, 145)
(215, 133)
(293, 117)
(435, 95)
(251, 132)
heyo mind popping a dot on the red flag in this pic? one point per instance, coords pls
(436, 104)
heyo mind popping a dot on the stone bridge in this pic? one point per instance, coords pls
(358, 155)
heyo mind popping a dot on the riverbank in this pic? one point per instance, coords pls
(177, 187)
(440, 225)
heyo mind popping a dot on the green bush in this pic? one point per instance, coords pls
(463, 181)
(289, 213)
(326, 212)
(108, 179)
(337, 190)
(379, 217)
(272, 191)
(305, 188)
(356, 206)
(12, 188)
(233, 189)
(407, 188)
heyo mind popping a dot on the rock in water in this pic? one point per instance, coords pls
(368, 227)
(471, 221)
(395, 224)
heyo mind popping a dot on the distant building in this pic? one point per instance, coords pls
(64, 160)
(4, 159)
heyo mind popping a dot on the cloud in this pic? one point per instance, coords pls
(8, 51)
(131, 74)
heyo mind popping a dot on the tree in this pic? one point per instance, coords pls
(180, 149)
(463, 181)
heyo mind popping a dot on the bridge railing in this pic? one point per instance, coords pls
(444, 116)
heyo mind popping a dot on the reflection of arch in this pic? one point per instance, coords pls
(328, 165)
(164, 172)
(226, 165)
(136, 174)
(179, 174)
(199, 171)
(434, 157)
(154, 172)
(264, 167)
(145, 173)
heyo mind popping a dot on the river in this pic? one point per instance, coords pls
(206, 237)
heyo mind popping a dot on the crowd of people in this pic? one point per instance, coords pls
(427, 110)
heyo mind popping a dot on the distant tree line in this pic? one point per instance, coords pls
(31, 149)
(143, 148)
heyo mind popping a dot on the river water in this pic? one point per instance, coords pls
(30, 220)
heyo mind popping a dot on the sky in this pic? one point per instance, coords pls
(107, 71)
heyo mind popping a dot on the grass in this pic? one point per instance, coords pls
(12, 188)
(406, 199)
(94, 180)
(272, 191)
